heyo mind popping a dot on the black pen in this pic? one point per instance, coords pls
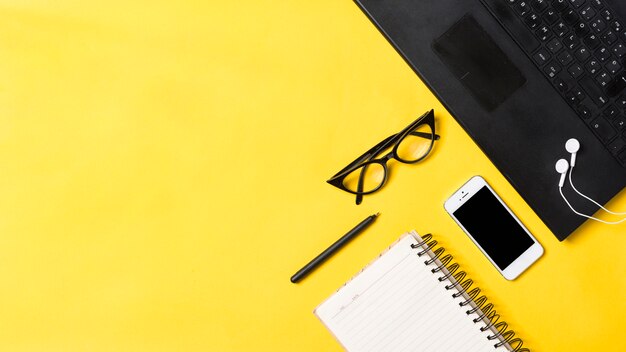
(333, 248)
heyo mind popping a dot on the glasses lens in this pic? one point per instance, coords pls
(365, 179)
(416, 144)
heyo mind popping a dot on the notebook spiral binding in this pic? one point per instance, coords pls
(464, 284)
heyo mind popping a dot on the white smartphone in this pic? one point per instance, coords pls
(493, 227)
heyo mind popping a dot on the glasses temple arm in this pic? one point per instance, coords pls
(359, 196)
(425, 135)
(375, 151)
(369, 155)
(385, 143)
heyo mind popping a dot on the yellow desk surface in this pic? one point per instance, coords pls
(163, 175)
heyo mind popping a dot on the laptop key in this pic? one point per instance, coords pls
(575, 96)
(552, 69)
(581, 29)
(584, 112)
(539, 5)
(617, 145)
(597, 4)
(575, 70)
(582, 54)
(598, 25)
(544, 33)
(619, 122)
(606, 14)
(577, 3)
(619, 50)
(616, 85)
(592, 41)
(603, 78)
(564, 58)
(550, 16)
(603, 54)
(571, 41)
(560, 29)
(593, 91)
(541, 56)
(532, 21)
(609, 37)
(571, 99)
(603, 129)
(593, 66)
(613, 66)
(554, 45)
(580, 96)
(610, 112)
(588, 13)
(560, 84)
(564, 81)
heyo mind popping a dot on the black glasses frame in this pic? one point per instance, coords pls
(367, 158)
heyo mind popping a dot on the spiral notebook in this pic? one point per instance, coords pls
(414, 298)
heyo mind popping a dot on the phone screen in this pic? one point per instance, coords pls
(493, 227)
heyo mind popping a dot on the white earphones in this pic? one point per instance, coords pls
(562, 167)
(572, 146)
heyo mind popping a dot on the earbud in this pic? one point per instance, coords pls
(561, 167)
(572, 146)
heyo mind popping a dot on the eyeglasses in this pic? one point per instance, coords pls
(367, 175)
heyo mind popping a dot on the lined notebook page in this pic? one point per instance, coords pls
(397, 304)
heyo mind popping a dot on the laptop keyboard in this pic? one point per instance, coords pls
(580, 46)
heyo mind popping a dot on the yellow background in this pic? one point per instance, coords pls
(163, 168)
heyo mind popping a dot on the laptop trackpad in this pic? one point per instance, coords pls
(477, 61)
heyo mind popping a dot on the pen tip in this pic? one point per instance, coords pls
(376, 214)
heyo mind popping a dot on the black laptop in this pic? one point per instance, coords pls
(522, 77)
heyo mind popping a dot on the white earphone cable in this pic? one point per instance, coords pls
(571, 170)
(587, 216)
